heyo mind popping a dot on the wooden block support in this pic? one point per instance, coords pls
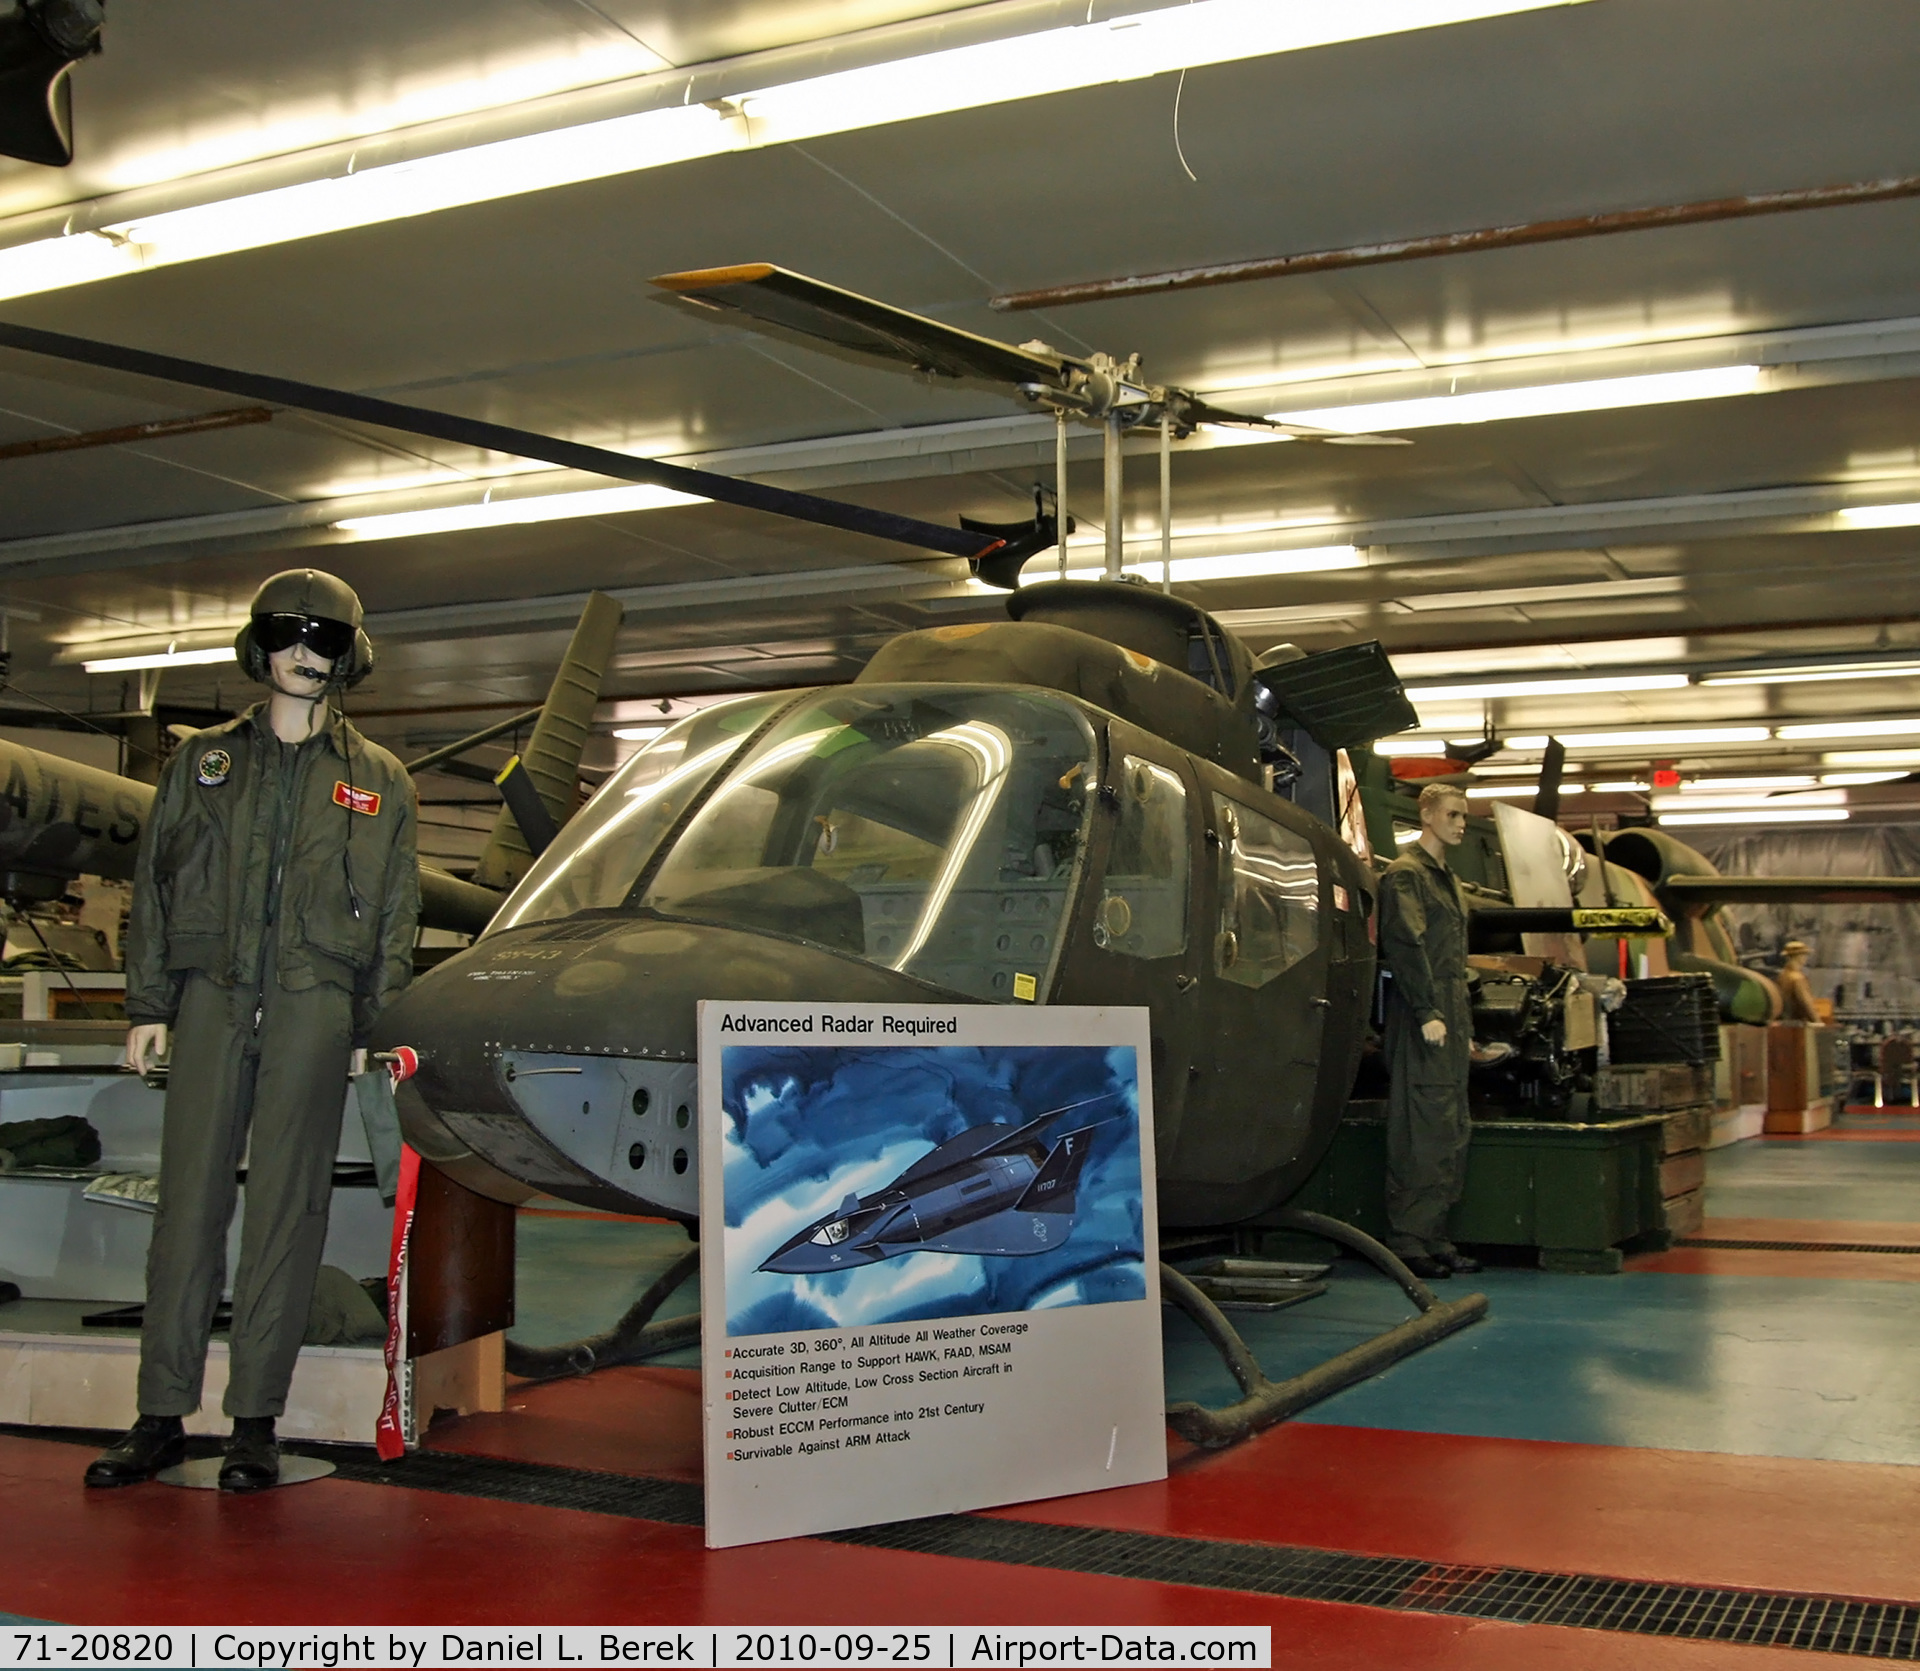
(466, 1379)
(1797, 1122)
(459, 1266)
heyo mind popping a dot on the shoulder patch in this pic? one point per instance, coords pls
(356, 800)
(216, 766)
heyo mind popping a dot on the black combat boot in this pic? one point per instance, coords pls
(252, 1462)
(152, 1443)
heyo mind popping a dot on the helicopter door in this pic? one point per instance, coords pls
(1266, 984)
(1138, 911)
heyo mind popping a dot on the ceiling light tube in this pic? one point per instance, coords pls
(160, 658)
(501, 513)
(1809, 815)
(1626, 788)
(1852, 728)
(1857, 778)
(1816, 675)
(1678, 737)
(1247, 565)
(1873, 758)
(1715, 785)
(1539, 401)
(1721, 803)
(638, 733)
(1485, 791)
(1879, 516)
(1034, 65)
(1547, 687)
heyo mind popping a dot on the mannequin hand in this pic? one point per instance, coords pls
(146, 1044)
(357, 1065)
(1434, 1032)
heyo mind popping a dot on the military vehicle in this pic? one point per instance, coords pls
(997, 1191)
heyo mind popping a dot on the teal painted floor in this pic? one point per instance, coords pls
(1790, 1366)
(1818, 1179)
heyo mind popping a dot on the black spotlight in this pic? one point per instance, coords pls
(39, 42)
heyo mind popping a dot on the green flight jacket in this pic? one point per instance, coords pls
(1423, 942)
(204, 894)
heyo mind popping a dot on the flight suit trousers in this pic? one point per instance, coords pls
(285, 1081)
(1428, 1130)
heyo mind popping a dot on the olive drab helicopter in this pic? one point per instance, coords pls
(1101, 800)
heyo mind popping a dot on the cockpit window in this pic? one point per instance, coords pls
(595, 860)
(925, 828)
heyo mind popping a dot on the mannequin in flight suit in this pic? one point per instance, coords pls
(1423, 942)
(273, 915)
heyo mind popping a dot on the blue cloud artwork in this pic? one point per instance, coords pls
(821, 1145)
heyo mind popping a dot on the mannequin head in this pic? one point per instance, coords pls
(1443, 816)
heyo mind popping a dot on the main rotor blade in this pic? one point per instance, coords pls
(499, 438)
(1204, 412)
(767, 295)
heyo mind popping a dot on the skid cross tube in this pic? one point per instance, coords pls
(1263, 1402)
(631, 1340)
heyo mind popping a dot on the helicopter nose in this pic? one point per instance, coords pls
(563, 1054)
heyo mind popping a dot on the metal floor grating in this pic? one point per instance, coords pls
(1737, 1245)
(1860, 1627)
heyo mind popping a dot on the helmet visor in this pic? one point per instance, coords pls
(330, 640)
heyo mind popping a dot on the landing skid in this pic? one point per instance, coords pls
(1263, 1402)
(637, 1337)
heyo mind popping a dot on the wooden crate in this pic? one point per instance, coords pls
(1647, 1089)
(1680, 1174)
(1687, 1128)
(1685, 1214)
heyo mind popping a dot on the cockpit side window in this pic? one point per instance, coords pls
(1143, 905)
(1269, 896)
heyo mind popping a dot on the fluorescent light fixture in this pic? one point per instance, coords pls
(1034, 65)
(1817, 675)
(1880, 516)
(1722, 803)
(1853, 728)
(160, 658)
(638, 733)
(1546, 687)
(1874, 758)
(1714, 785)
(1539, 401)
(1650, 738)
(1529, 769)
(1858, 778)
(1784, 815)
(1396, 748)
(1485, 791)
(1628, 787)
(1405, 838)
(502, 513)
(1248, 565)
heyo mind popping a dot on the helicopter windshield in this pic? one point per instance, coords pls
(930, 829)
(594, 860)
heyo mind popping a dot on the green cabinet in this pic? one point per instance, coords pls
(1574, 1191)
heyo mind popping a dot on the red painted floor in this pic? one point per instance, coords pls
(338, 1553)
(1885, 1232)
(1830, 1135)
(1680, 1516)
(1836, 1267)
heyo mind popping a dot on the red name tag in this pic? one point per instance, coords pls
(356, 800)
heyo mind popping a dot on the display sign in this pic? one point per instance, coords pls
(929, 1264)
